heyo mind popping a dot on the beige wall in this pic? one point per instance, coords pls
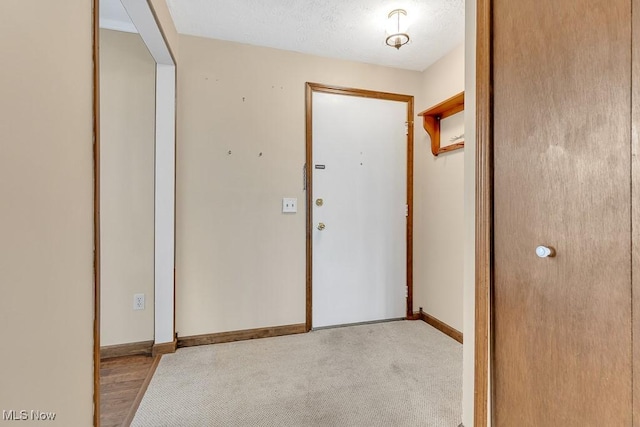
(127, 137)
(439, 208)
(46, 188)
(240, 261)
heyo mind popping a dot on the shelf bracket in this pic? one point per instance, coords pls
(431, 118)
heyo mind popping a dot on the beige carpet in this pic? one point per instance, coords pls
(399, 373)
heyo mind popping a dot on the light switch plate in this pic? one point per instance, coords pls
(289, 205)
(138, 301)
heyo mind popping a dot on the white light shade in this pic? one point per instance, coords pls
(397, 22)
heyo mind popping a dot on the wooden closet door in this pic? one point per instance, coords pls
(562, 162)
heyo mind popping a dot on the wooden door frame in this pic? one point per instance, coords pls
(338, 90)
(484, 212)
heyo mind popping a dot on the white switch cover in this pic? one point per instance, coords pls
(289, 205)
(138, 301)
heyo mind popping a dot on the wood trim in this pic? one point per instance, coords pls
(338, 90)
(409, 237)
(431, 118)
(143, 388)
(309, 214)
(142, 348)
(364, 93)
(484, 211)
(164, 348)
(635, 206)
(441, 326)
(449, 148)
(96, 211)
(414, 316)
(243, 335)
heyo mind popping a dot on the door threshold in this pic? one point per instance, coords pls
(369, 322)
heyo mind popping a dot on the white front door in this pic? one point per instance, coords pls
(359, 197)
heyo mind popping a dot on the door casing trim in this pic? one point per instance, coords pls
(338, 90)
(484, 212)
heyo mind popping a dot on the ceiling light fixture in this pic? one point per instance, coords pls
(397, 25)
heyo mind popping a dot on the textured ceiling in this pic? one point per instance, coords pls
(346, 29)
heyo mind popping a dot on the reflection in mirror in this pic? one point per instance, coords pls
(127, 138)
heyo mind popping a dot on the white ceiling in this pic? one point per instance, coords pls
(345, 29)
(113, 16)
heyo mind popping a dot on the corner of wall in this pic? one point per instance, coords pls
(438, 196)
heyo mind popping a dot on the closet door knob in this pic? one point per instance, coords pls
(545, 252)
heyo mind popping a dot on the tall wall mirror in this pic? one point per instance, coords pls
(137, 203)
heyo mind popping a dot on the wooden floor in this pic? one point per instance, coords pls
(123, 381)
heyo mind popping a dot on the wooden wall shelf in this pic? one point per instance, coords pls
(431, 118)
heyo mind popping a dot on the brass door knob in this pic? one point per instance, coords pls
(321, 226)
(319, 202)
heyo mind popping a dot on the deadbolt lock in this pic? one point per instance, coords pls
(321, 226)
(319, 202)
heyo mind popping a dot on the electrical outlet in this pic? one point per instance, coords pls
(289, 205)
(138, 301)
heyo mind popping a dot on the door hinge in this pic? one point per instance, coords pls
(304, 177)
(406, 210)
(406, 292)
